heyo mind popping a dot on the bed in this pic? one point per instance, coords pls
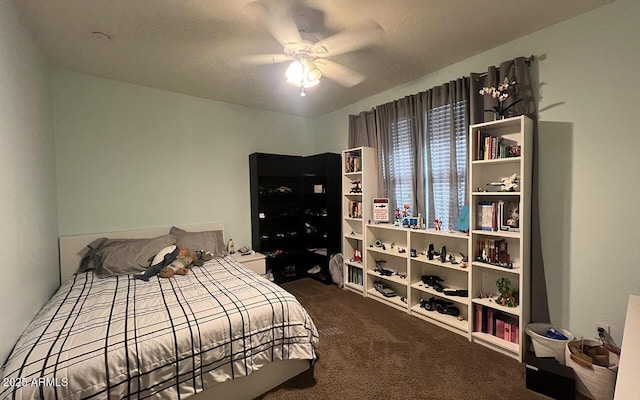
(221, 331)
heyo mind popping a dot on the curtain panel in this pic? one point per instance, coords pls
(421, 139)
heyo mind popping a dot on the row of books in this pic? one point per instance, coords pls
(352, 163)
(496, 323)
(355, 209)
(493, 251)
(355, 275)
(489, 147)
(501, 215)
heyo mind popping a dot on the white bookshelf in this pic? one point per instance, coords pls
(485, 273)
(393, 244)
(408, 271)
(365, 171)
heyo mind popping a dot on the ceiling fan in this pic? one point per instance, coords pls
(309, 52)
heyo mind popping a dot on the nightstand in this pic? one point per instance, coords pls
(255, 262)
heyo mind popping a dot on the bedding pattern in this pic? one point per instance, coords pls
(121, 337)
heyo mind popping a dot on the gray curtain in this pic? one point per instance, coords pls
(416, 113)
(362, 130)
(363, 133)
(403, 116)
(518, 70)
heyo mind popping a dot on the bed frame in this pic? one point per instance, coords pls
(73, 248)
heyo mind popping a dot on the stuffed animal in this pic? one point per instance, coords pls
(202, 257)
(170, 261)
(179, 265)
(165, 257)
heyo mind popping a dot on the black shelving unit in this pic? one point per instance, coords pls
(295, 212)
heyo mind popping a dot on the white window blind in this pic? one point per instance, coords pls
(401, 166)
(448, 174)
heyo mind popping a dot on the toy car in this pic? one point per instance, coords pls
(385, 290)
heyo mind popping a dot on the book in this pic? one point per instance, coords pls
(484, 218)
(477, 320)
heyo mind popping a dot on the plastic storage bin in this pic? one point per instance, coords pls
(547, 347)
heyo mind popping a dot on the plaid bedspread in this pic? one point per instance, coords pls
(168, 338)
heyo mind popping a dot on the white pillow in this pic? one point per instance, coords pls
(160, 256)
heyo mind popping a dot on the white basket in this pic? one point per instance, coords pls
(547, 347)
(597, 383)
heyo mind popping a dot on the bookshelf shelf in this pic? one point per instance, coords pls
(354, 236)
(392, 301)
(432, 292)
(393, 253)
(498, 194)
(462, 327)
(500, 150)
(351, 174)
(506, 234)
(424, 259)
(495, 343)
(354, 286)
(515, 270)
(391, 278)
(492, 304)
(507, 160)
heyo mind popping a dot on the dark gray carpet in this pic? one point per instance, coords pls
(372, 351)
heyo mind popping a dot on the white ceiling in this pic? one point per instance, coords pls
(194, 46)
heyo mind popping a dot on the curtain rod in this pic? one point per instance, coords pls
(527, 61)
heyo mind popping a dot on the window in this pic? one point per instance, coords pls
(448, 160)
(447, 167)
(401, 166)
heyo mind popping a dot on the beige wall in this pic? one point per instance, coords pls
(588, 164)
(28, 224)
(131, 157)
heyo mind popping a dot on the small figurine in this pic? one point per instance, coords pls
(405, 211)
(230, 247)
(508, 294)
(437, 224)
(508, 184)
(355, 187)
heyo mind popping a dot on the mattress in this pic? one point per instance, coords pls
(121, 337)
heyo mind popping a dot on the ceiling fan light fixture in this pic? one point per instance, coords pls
(312, 72)
(303, 73)
(295, 72)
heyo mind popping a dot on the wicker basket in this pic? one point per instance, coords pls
(593, 381)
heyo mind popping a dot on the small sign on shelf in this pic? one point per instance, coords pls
(381, 210)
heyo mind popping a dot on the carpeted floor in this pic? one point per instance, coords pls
(371, 351)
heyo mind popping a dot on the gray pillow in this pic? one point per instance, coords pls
(211, 241)
(109, 257)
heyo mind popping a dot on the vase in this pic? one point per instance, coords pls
(498, 116)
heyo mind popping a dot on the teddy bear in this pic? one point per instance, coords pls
(179, 265)
(170, 261)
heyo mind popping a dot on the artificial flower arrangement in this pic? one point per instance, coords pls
(501, 93)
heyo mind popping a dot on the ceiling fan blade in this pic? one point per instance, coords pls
(349, 40)
(279, 20)
(339, 73)
(259, 59)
